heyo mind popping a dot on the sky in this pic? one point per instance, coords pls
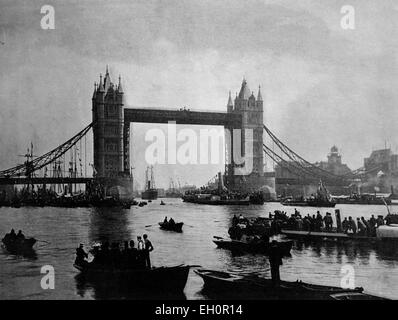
(322, 85)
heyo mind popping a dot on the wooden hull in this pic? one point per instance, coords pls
(177, 227)
(232, 286)
(156, 279)
(243, 247)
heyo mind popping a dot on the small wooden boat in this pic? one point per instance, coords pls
(176, 227)
(234, 286)
(19, 246)
(252, 247)
(155, 279)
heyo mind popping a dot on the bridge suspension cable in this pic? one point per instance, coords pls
(290, 166)
(304, 164)
(306, 168)
(29, 167)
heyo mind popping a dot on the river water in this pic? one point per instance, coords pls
(60, 230)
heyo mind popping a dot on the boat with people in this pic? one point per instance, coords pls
(129, 266)
(227, 285)
(18, 243)
(253, 246)
(170, 225)
(322, 198)
(321, 228)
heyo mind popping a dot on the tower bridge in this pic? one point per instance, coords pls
(111, 128)
(111, 144)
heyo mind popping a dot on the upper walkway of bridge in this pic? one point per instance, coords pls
(183, 116)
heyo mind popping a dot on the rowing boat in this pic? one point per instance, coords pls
(219, 284)
(176, 227)
(156, 279)
(19, 246)
(252, 247)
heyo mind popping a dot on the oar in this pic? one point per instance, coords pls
(43, 241)
(218, 237)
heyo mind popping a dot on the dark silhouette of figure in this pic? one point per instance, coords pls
(20, 236)
(147, 249)
(81, 256)
(133, 255)
(275, 260)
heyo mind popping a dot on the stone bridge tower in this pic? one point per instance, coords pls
(111, 152)
(251, 111)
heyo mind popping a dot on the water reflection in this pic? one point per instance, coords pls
(115, 290)
(28, 254)
(109, 224)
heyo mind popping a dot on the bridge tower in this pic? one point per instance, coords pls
(111, 151)
(108, 118)
(251, 111)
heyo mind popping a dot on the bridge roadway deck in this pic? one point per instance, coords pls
(228, 120)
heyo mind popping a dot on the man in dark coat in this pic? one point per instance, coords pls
(275, 261)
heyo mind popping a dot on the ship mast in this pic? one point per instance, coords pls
(152, 178)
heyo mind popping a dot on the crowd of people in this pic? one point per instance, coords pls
(320, 223)
(130, 256)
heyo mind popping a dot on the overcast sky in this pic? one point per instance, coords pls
(321, 85)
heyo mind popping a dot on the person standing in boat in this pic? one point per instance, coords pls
(361, 227)
(275, 261)
(132, 255)
(81, 256)
(147, 249)
(345, 225)
(20, 236)
(140, 252)
(351, 226)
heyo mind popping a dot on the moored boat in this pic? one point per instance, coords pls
(259, 246)
(235, 286)
(176, 227)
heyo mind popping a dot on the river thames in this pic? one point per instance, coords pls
(60, 230)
